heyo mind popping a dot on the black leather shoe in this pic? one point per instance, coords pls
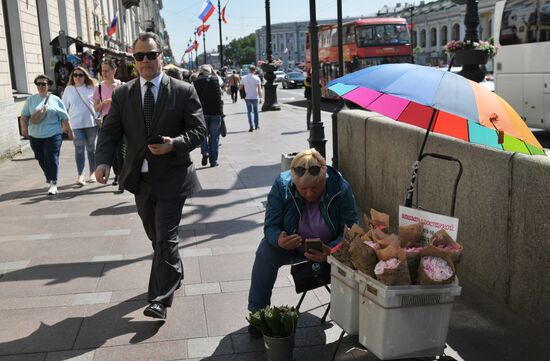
(251, 129)
(204, 160)
(155, 310)
(254, 332)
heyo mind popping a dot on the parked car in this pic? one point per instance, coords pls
(279, 75)
(293, 80)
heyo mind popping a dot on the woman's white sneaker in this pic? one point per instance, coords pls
(80, 180)
(52, 191)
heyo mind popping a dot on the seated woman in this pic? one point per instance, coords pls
(312, 200)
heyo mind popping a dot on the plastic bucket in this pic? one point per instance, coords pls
(279, 348)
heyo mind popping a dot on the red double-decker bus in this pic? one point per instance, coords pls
(366, 42)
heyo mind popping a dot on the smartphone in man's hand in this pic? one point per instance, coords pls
(313, 243)
(155, 140)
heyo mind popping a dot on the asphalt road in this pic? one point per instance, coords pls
(296, 97)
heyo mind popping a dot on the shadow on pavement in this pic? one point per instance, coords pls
(115, 209)
(66, 272)
(83, 333)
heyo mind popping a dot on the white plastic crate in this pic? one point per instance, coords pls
(404, 321)
(344, 297)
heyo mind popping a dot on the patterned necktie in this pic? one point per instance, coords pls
(148, 106)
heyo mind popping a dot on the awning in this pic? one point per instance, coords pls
(78, 42)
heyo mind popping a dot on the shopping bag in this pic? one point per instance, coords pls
(310, 275)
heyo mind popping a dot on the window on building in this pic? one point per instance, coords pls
(274, 47)
(455, 33)
(443, 35)
(423, 38)
(433, 37)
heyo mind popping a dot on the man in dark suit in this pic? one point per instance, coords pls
(162, 121)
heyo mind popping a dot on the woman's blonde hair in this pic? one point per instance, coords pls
(307, 159)
(88, 80)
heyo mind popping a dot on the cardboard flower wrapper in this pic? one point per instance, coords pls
(398, 276)
(341, 251)
(410, 234)
(363, 256)
(377, 220)
(431, 251)
(445, 243)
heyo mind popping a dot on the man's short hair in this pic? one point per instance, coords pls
(146, 36)
(252, 69)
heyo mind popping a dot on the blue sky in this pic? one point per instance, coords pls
(245, 16)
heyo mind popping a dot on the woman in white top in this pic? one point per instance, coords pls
(78, 98)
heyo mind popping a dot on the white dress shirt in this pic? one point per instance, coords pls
(155, 89)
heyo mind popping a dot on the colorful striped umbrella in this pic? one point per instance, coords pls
(440, 101)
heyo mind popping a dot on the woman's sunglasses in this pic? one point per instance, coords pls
(314, 170)
(78, 75)
(41, 83)
(151, 55)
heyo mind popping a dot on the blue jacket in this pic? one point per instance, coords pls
(284, 205)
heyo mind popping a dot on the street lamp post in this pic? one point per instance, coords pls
(317, 130)
(411, 9)
(270, 100)
(471, 58)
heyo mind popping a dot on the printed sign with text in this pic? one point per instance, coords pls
(432, 222)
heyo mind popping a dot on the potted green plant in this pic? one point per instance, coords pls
(278, 326)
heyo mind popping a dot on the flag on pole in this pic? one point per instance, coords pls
(112, 28)
(190, 48)
(207, 10)
(202, 28)
(196, 45)
(223, 14)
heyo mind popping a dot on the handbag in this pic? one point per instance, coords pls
(97, 118)
(309, 275)
(242, 92)
(223, 129)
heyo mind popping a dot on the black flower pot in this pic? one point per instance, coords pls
(471, 57)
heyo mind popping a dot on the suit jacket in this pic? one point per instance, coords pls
(178, 114)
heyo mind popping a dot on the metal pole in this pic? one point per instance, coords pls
(317, 132)
(270, 97)
(196, 51)
(221, 40)
(341, 104)
(471, 20)
(204, 42)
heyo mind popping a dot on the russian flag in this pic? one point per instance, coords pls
(207, 10)
(112, 28)
(190, 48)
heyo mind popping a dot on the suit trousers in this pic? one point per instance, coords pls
(161, 218)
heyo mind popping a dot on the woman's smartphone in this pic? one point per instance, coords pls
(313, 243)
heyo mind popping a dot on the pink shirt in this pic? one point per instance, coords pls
(106, 93)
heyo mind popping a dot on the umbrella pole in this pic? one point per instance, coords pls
(416, 164)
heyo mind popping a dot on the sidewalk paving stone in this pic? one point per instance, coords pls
(75, 267)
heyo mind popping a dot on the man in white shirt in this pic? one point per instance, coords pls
(253, 89)
(162, 121)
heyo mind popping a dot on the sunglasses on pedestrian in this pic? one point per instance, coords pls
(151, 55)
(41, 83)
(78, 75)
(314, 170)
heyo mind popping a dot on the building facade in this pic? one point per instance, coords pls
(435, 23)
(34, 33)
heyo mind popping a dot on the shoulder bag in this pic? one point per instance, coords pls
(310, 275)
(39, 115)
(97, 118)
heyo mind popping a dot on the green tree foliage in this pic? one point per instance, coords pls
(241, 51)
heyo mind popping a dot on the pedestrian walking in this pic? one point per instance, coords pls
(43, 119)
(253, 89)
(311, 200)
(207, 87)
(102, 103)
(78, 98)
(162, 120)
(234, 82)
(307, 95)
